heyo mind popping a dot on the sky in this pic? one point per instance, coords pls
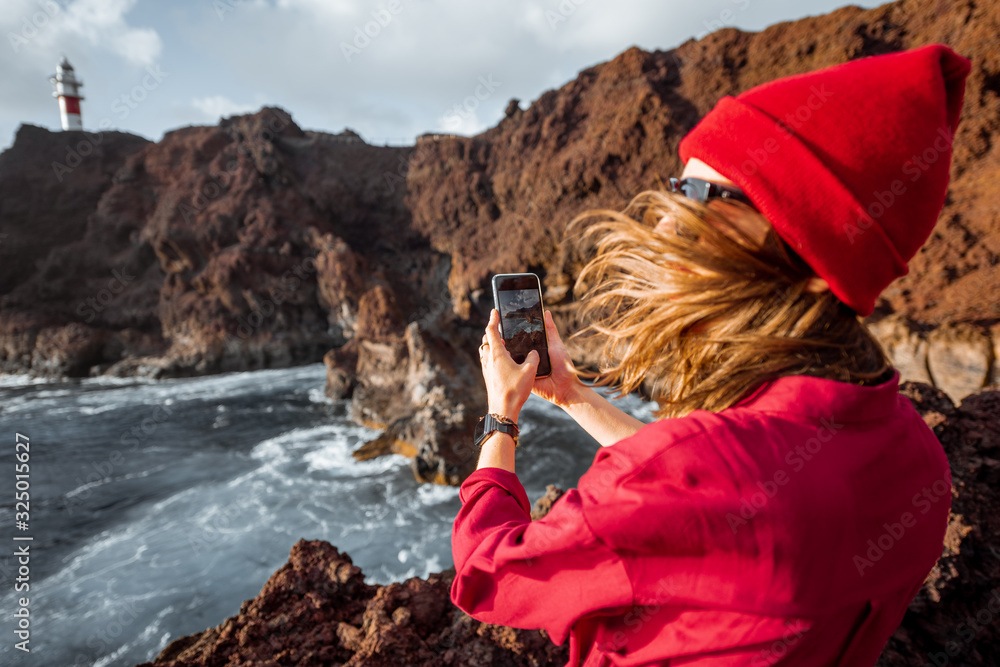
(518, 299)
(389, 70)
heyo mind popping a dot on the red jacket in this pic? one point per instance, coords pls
(794, 527)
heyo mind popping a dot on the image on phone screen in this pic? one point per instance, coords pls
(522, 325)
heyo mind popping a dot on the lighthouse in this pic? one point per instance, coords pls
(67, 89)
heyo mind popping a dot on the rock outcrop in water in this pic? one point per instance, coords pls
(317, 610)
(256, 244)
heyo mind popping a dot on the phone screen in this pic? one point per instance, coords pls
(519, 301)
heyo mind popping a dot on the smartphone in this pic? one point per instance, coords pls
(518, 298)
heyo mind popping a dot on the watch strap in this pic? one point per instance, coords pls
(493, 422)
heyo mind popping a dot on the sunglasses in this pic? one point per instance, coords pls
(701, 190)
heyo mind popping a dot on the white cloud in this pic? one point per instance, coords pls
(331, 8)
(102, 22)
(218, 106)
(45, 28)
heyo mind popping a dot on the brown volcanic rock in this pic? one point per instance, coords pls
(544, 504)
(223, 246)
(237, 242)
(295, 620)
(45, 199)
(50, 185)
(316, 610)
(953, 618)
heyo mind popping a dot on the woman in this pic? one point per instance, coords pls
(789, 504)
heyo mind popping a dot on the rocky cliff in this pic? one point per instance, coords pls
(614, 131)
(256, 244)
(248, 245)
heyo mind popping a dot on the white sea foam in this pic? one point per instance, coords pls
(318, 395)
(18, 380)
(86, 410)
(111, 381)
(431, 494)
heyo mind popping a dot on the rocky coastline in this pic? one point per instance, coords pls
(257, 244)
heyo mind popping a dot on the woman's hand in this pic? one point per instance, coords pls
(562, 386)
(508, 384)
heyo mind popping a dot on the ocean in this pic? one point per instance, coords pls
(158, 507)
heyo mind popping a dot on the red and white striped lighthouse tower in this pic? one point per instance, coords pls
(67, 89)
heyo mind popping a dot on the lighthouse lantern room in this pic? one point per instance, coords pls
(67, 89)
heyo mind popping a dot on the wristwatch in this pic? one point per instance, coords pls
(494, 422)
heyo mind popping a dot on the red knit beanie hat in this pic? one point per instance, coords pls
(849, 164)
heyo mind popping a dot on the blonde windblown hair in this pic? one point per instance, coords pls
(702, 315)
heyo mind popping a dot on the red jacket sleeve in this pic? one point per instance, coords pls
(510, 570)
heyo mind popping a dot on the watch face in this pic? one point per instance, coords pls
(481, 430)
